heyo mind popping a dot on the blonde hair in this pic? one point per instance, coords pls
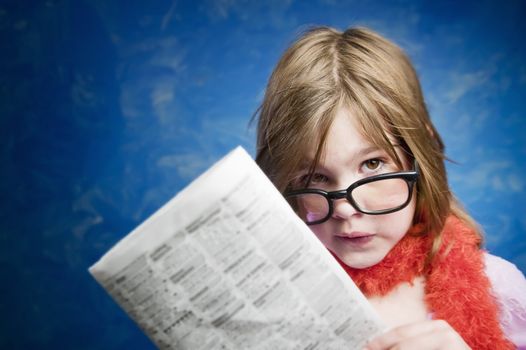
(326, 69)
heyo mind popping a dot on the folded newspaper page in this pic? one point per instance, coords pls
(227, 264)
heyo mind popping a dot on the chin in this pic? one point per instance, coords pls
(357, 262)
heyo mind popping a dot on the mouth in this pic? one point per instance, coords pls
(355, 238)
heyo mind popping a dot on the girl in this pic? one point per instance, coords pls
(344, 133)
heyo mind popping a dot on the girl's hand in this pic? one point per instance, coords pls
(432, 334)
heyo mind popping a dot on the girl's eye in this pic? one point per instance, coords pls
(372, 164)
(315, 179)
(318, 178)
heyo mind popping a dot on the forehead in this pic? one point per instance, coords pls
(349, 137)
(344, 132)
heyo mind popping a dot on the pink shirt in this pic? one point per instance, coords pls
(509, 287)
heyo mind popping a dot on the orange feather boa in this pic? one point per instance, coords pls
(457, 289)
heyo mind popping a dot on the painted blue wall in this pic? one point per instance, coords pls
(108, 108)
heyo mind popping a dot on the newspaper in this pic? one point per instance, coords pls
(226, 264)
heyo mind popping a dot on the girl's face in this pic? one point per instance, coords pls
(358, 239)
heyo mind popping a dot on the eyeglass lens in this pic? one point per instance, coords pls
(381, 195)
(373, 196)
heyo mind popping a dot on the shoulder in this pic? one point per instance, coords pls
(509, 288)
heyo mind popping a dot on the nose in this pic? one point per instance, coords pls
(343, 209)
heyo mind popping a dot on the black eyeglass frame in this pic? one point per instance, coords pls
(410, 178)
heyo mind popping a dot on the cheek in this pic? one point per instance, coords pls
(401, 221)
(322, 231)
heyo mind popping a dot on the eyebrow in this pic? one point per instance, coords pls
(366, 151)
(306, 163)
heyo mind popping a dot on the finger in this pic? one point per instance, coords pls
(399, 334)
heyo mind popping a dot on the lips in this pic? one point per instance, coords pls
(354, 235)
(358, 240)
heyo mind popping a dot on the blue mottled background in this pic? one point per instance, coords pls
(108, 108)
